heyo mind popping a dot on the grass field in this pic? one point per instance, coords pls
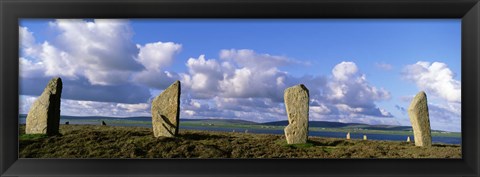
(95, 141)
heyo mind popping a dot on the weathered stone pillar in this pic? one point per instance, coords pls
(418, 113)
(44, 115)
(297, 103)
(166, 112)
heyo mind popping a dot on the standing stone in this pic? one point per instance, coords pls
(296, 103)
(418, 113)
(348, 135)
(365, 137)
(408, 139)
(44, 115)
(166, 111)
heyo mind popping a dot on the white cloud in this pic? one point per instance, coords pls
(203, 77)
(57, 63)
(95, 56)
(101, 51)
(29, 69)
(344, 71)
(349, 90)
(237, 88)
(27, 41)
(208, 78)
(435, 78)
(155, 56)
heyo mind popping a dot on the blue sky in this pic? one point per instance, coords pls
(363, 71)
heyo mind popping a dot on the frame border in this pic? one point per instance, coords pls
(12, 10)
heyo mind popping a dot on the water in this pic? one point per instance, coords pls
(353, 135)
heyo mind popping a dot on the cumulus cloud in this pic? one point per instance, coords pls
(97, 61)
(101, 51)
(239, 89)
(203, 77)
(350, 91)
(241, 74)
(27, 41)
(435, 78)
(155, 56)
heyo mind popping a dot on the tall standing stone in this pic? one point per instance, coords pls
(296, 103)
(166, 111)
(44, 115)
(418, 113)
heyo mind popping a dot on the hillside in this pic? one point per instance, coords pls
(96, 141)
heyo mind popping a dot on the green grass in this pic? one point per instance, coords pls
(95, 141)
(32, 136)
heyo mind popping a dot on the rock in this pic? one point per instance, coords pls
(365, 137)
(348, 135)
(44, 115)
(67, 123)
(408, 139)
(166, 112)
(418, 113)
(103, 123)
(296, 103)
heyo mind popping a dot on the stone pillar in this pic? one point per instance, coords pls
(418, 113)
(44, 115)
(348, 135)
(166, 111)
(297, 105)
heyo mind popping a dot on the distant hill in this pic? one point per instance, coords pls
(325, 124)
(314, 124)
(223, 121)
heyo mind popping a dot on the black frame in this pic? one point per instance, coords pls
(12, 10)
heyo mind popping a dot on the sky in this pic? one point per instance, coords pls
(356, 70)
